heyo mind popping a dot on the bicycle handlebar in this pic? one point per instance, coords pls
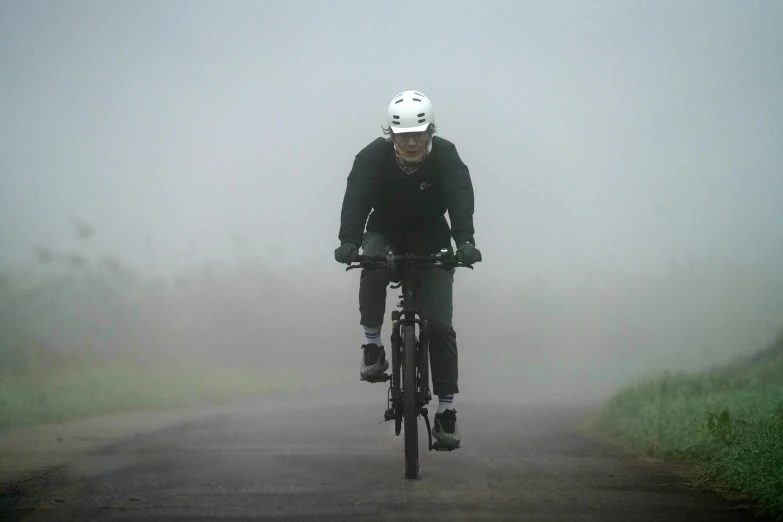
(439, 260)
(404, 257)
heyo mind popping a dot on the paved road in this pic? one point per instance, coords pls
(331, 459)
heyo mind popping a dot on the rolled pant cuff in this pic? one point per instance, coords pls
(445, 389)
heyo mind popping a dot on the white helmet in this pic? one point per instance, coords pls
(410, 111)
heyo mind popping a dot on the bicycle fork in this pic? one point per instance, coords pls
(422, 391)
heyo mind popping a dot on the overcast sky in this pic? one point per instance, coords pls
(614, 134)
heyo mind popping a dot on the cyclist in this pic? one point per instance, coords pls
(401, 187)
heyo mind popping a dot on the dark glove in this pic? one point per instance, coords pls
(346, 253)
(467, 254)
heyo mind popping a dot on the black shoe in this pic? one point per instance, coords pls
(445, 431)
(374, 362)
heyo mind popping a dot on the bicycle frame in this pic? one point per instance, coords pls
(406, 319)
(409, 315)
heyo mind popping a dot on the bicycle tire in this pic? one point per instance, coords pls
(410, 414)
(396, 369)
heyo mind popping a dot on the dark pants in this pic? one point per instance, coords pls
(435, 305)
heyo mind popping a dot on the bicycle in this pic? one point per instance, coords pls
(409, 353)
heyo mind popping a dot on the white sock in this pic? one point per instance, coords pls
(373, 335)
(445, 402)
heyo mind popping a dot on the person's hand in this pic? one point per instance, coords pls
(346, 253)
(467, 254)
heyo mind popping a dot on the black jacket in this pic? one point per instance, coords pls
(409, 209)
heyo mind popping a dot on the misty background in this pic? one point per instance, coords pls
(171, 177)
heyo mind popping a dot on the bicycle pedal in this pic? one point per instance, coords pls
(388, 415)
(383, 378)
(438, 447)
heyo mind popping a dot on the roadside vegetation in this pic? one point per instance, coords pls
(98, 387)
(728, 421)
(84, 334)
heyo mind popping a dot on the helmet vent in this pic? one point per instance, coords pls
(396, 117)
(420, 115)
(417, 93)
(422, 120)
(398, 101)
(417, 99)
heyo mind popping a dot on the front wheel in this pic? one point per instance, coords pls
(409, 402)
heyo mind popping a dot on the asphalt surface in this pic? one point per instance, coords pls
(332, 459)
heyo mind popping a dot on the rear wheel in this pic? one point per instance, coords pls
(409, 402)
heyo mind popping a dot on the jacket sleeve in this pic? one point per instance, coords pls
(356, 202)
(458, 192)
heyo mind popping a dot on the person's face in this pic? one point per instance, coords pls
(412, 143)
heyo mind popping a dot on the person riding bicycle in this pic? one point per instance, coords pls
(401, 187)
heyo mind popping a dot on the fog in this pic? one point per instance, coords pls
(171, 177)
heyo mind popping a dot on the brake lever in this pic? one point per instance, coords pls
(453, 266)
(368, 266)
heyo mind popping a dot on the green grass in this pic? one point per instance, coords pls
(728, 421)
(113, 387)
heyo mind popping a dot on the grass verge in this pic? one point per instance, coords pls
(728, 421)
(114, 387)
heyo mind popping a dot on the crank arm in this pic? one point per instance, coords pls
(423, 412)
